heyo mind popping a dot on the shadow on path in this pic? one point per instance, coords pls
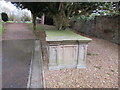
(17, 47)
(16, 58)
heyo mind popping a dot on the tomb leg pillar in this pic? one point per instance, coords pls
(82, 52)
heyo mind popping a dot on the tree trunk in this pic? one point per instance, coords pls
(58, 21)
(61, 21)
(34, 21)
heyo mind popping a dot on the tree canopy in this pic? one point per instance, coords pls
(61, 12)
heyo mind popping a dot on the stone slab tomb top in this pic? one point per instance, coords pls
(64, 35)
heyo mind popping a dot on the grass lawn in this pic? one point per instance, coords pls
(45, 27)
(18, 22)
(1, 28)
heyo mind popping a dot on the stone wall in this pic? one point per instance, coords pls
(104, 27)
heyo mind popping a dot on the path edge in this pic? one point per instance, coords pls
(32, 65)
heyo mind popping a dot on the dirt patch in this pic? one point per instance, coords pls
(101, 71)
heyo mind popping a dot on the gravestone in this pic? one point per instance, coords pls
(66, 49)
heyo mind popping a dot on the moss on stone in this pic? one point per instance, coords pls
(64, 35)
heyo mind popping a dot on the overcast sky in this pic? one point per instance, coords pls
(9, 8)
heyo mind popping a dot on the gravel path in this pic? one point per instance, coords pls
(17, 47)
(101, 71)
(16, 58)
(16, 31)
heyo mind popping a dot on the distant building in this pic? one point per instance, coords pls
(38, 20)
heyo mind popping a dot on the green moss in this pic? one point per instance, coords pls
(61, 35)
(52, 34)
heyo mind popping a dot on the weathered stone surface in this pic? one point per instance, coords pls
(66, 49)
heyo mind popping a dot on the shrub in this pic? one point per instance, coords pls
(108, 30)
(4, 17)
